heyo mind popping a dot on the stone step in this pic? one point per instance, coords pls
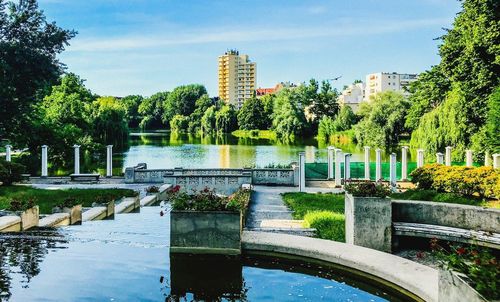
(262, 215)
(10, 223)
(282, 223)
(127, 205)
(95, 213)
(54, 220)
(299, 232)
(271, 208)
(149, 200)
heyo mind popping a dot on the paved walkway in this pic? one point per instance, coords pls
(268, 212)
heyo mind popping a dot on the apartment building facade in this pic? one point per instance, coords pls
(237, 78)
(353, 96)
(387, 81)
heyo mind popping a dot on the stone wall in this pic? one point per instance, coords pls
(280, 177)
(222, 184)
(446, 214)
(453, 287)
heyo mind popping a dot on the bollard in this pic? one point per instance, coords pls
(367, 163)
(8, 152)
(440, 158)
(496, 161)
(77, 159)
(109, 161)
(302, 171)
(448, 156)
(468, 158)
(404, 163)
(392, 171)
(347, 167)
(378, 164)
(331, 155)
(44, 161)
(420, 158)
(338, 160)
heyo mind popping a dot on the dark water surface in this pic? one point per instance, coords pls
(127, 259)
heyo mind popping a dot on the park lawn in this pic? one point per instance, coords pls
(432, 195)
(324, 212)
(47, 199)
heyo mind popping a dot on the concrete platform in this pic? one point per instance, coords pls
(10, 224)
(127, 205)
(55, 220)
(95, 213)
(417, 279)
(149, 200)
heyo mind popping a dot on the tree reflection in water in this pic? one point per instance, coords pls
(22, 253)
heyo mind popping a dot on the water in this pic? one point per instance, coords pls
(127, 259)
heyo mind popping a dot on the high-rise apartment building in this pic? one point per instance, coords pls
(237, 78)
(384, 81)
(352, 96)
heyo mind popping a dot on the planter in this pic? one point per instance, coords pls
(29, 218)
(454, 287)
(368, 222)
(205, 232)
(75, 214)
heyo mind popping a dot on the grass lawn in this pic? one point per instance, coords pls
(324, 212)
(431, 195)
(47, 199)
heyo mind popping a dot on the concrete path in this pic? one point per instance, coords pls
(268, 213)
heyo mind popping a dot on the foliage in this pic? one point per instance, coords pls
(252, 115)
(328, 225)
(68, 202)
(289, 119)
(10, 172)
(479, 264)
(29, 46)
(152, 189)
(466, 181)
(433, 195)
(322, 103)
(488, 138)
(268, 102)
(208, 120)
(22, 204)
(382, 120)
(151, 110)
(324, 212)
(109, 121)
(131, 104)
(225, 119)
(182, 101)
(179, 123)
(201, 106)
(207, 200)
(330, 126)
(48, 199)
(277, 166)
(367, 189)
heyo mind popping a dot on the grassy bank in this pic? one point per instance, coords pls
(432, 195)
(340, 137)
(324, 212)
(262, 134)
(47, 199)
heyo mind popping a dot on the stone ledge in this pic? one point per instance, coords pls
(57, 219)
(10, 224)
(418, 279)
(127, 205)
(148, 200)
(95, 213)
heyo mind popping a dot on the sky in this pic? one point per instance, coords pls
(145, 46)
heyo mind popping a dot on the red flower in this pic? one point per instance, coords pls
(461, 251)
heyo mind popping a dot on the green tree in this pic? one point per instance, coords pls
(225, 119)
(29, 46)
(268, 102)
(383, 119)
(131, 103)
(151, 110)
(289, 119)
(109, 121)
(182, 100)
(179, 123)
(208, 120)
(201, 106)
(343, 121)
(252, 115)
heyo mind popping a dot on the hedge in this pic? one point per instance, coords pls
(467, 181)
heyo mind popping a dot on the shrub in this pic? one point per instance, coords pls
(328, 225)
(208, 200)
(466, 181)
(367, 189)
(22, 204)
(152, 189)
(10, 172)
(68, 202)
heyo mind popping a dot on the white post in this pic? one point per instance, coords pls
(487, 159)
(331, 155)
(8, 152)
(302, 171)
(468, 158)
(420, 158)
(404, 163)
(109, 161)
(347, 167)
(45, 172)
(367, 163)
(440, 158)
(338, 160)
(378, 164)
(77, 159)
(393, 171)
(448, 156)
(496, 161)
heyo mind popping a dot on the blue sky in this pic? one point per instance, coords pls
(142, 47)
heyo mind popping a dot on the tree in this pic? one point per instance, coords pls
(488, 139)
(131, 104)
(289, 119)
(320, 104)
(29, 46)
(342, 122)
(151, 110)
(268, 102)
(382, 120)
(208, 120)
(109, 121)
(225, 119)
(182, 100)
(252, 115)
(179, 123)
(201, 106)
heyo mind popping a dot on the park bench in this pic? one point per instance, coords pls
(482, 238)
(74, 177)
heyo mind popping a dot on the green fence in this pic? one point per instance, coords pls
(320, 170)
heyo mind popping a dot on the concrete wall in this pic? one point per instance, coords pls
(452, 288)
(75, 214)
(280, 177)
(446, 214)
(29, 218)
(368, 222)
(222, 184)
(205, 232)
